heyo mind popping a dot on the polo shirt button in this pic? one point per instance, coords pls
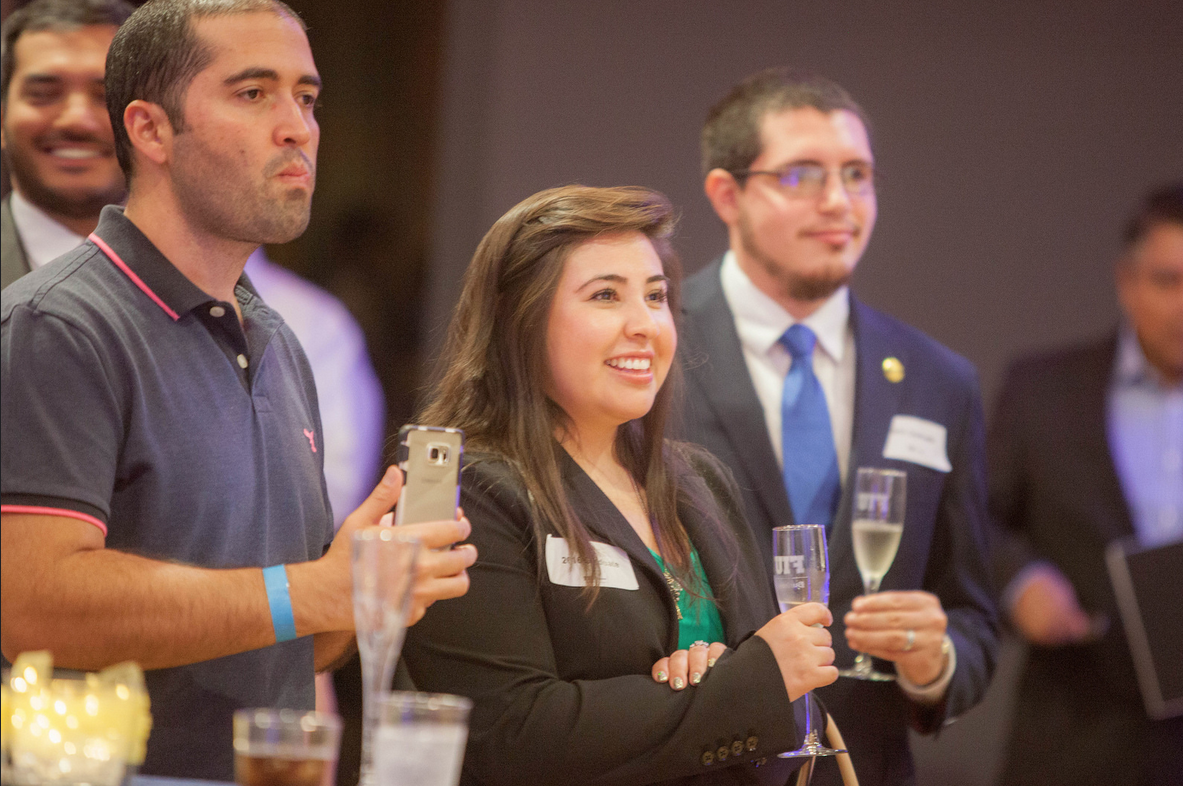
(708, 758)
(721, 754)
(217, 312)
(242, 361)
(736, 747)
(752, 743)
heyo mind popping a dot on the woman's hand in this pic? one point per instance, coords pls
(688, 667)
(802, 647)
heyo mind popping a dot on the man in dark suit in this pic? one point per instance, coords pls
(789, 170)
(1086, 447)
(57, 137)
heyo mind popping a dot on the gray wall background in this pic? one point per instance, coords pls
(1014, 137)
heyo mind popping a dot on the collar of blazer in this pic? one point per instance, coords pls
(14, 262)
(606, 524)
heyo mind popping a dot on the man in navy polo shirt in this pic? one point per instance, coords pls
(160, 436)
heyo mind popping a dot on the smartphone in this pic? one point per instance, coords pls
(430, 458)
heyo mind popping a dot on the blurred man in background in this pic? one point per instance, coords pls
(1086, 447)
(795, 384)
(55, 131)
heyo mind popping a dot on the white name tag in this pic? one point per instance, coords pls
(565, 568)
(919, 441)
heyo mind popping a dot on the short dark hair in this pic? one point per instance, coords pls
(1163, 205)
(156, 54)
(731, 133)
(53, 15)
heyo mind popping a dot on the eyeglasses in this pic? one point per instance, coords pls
(808, 180)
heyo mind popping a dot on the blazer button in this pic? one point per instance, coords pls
(708, 758)
(721, 754)
(751, 743)
(736, 747)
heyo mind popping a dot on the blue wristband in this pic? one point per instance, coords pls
(275, 578)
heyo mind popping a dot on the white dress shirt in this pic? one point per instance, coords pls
(42, 238)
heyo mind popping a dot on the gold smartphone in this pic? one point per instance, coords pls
(430, 458)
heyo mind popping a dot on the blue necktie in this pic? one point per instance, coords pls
(810, 463)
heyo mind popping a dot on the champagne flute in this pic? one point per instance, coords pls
(383, 582)
(802, 575)
(879, 499)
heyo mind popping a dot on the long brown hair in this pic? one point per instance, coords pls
(492, 372)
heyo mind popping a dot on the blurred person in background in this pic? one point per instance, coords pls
(1086, 447)
(54, 129)
(612, 559)
(162, 497)
(794, 384)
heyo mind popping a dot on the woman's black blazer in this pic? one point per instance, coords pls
(563, 694)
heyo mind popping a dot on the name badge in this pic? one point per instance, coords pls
(566, 568)
(918, 441)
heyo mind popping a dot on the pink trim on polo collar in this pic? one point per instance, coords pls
(139, 282)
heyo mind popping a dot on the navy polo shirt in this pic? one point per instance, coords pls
(136, 402)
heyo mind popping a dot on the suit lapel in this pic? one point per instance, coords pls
(13, 262)
(606, 524)
(715, 363)
(876, 401)
(720, 560)
(1114, 519)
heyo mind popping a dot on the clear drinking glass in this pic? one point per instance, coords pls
(383, 580)
(420, 739)
(284, 747)
(802, 575)
(879, 499)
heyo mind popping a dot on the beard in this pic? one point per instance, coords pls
(80, 205)
(217, 193)
(815, 285)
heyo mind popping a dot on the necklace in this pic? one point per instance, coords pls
(675, 590)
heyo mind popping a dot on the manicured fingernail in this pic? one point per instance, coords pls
(662, 676)
(388, 479)
(711, 662)
(695, 678)
(678, 684)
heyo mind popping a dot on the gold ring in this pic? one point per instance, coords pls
(910, 640)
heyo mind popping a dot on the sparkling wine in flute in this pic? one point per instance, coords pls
(807, 585)
(878, 526)
(801, 574)
(875, 545)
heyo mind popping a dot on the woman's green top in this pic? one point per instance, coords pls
(698, 617)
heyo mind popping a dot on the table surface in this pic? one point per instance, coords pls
(153, 780)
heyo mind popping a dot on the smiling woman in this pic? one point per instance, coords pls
(604, 546)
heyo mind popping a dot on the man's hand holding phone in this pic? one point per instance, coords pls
(442, 567)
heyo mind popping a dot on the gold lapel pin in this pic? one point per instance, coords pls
(893, 369)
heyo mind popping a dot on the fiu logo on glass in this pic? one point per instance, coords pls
(789, 565)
